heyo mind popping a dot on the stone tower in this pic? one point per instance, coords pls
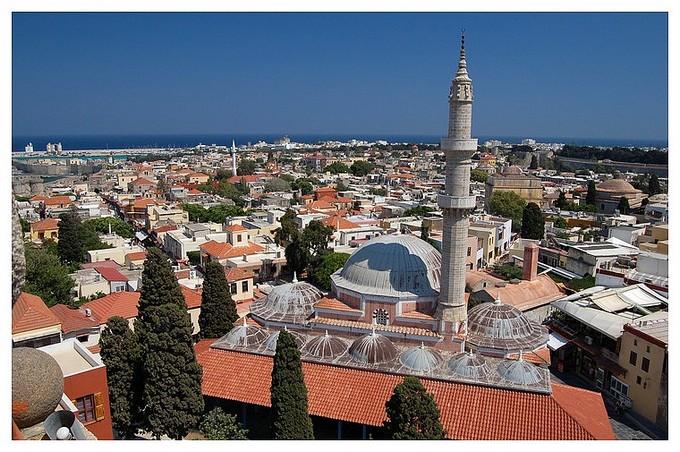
(456, 202)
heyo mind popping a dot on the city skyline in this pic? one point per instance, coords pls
(579, 75)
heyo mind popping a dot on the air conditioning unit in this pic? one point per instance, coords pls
(589, 340)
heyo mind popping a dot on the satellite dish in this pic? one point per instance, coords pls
(63, 425)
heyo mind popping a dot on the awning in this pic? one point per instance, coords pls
(556, 341)
(141, 236)
(613, 367)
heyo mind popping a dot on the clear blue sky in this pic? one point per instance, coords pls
(534, 74)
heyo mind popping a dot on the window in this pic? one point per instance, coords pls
(469, 252)
(244, 286)
(85, 407)
(633, 358)
(239, 238)
(381, 317)
(635, 342)
(232, 288)
(638, 380)
(645, 364)
(648, 349)
(618, 388)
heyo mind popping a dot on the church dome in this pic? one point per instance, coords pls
(514, 169)
(245, 335)
(274, 338)
(393, 266)
(420, 358)
(292, 303)
(469, 365)
(616, 186)
(325, 346)
(372, 349)
(519, 371)
(503, 327)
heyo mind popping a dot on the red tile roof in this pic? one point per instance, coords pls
(45, 225)
(101, 264)
(165, 228)
(137, 255)
(236, 274)
(250, 178)
(338, 223)
(73, 319)
(192, 297)
(336, 305)
(235, 228)
(31, 313)
(369, 326)
(468, 412)
(142, 181)
(57, 200)
(122, 304)
(222, 250)
(111, 274)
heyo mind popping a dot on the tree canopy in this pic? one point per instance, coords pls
(624, 206)
(46, 277)
(337, 167)
(477, 175)
(276, 184)
(591, 195)
(412, 413)
(419, 211)
(533, 224)
(218, 310)
(331, 262)
(118, 226)
(246, 167)
(172, 378)
(120, 352)
(361, 168)
(216, 214)
(288, 230)
(70, 245)
(508, 204)
(218, 425)
(289, 411)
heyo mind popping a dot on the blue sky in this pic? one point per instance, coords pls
(534, 74)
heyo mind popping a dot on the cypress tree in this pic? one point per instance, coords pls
(412, 413)
(591, 196)
(172, 397)
(120, 353)
(534, 162)
(561, 200)
(654, 187)
(69, 247)
(218, 310)
(289, 414)
(533, 224)
(624, 207)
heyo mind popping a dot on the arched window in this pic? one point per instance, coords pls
(381, 317)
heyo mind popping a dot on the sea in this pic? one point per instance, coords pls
(116, 142)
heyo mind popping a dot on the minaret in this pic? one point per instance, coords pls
(456, 202)
(233, 158)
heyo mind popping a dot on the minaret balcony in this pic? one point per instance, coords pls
(456, 202)
(452, 144)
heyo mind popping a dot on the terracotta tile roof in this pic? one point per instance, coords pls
(38, 198)
(123, 304)
(236, 274)
(528, 294)
(111, 274)
(258, 294)
(165, 228)
(45, 225)
(197, 175)
(235, 228)
(416, 315)
(369, 326)
(141, 181)
(95, 349)
(101, 264)
(468, 412)
(321, 205)
(339, 223)
(540, 356)
(31, 313)
(192, 297)
(222, 250)
(142, 203)
(57, 200)
(335, 304)
(73, 319)
(250, 178)
(182, 274)
(193, 191)
(137, 255)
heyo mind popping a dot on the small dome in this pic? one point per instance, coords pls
(274, 338)
(469, 365)
(326, 346)
(292, 303)
(393, 266)
(514, 169)
(37, 385)
(372, 349)
(503, 327)
(245, 335)
(519, 371)
(420, 358)
(616, 186)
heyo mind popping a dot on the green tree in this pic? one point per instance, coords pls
(591, 196)
(46, 277)
(25, 225)
(120, 352)
(218, 310)
(533, 224)
(331, 262)
(118, 226)
(560, 222)
(246, 167)
(194, 257)
(288, 178)
(276, 184)
(378, 191)
(70, 245)
(172, 378)
(303, 185)
(361, 168)
(510, 271)
(561, 200)
(654, 186)
(412, 413)
(419, 211)
(477, 175)
(297, 255)
(623, 206)
(288, 230)
(315, 237)
(218, 425)
(534, 162)
(223, 173)
(337, 167)
(508, 204)
(289, 413)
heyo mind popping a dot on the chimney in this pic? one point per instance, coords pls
(530, 262)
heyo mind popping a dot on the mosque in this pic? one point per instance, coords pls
(398, 307)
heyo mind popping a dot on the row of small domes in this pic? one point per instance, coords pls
(375, 348)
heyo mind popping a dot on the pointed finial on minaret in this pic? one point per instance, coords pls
(462, 39)
(462, 64)
(295, 277)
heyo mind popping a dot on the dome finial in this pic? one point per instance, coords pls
(422, 345)
(295, 277)
(498, 297)
(520, 356)
(326, 333)
(244, 321)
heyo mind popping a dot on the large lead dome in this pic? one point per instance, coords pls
(394, 266)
